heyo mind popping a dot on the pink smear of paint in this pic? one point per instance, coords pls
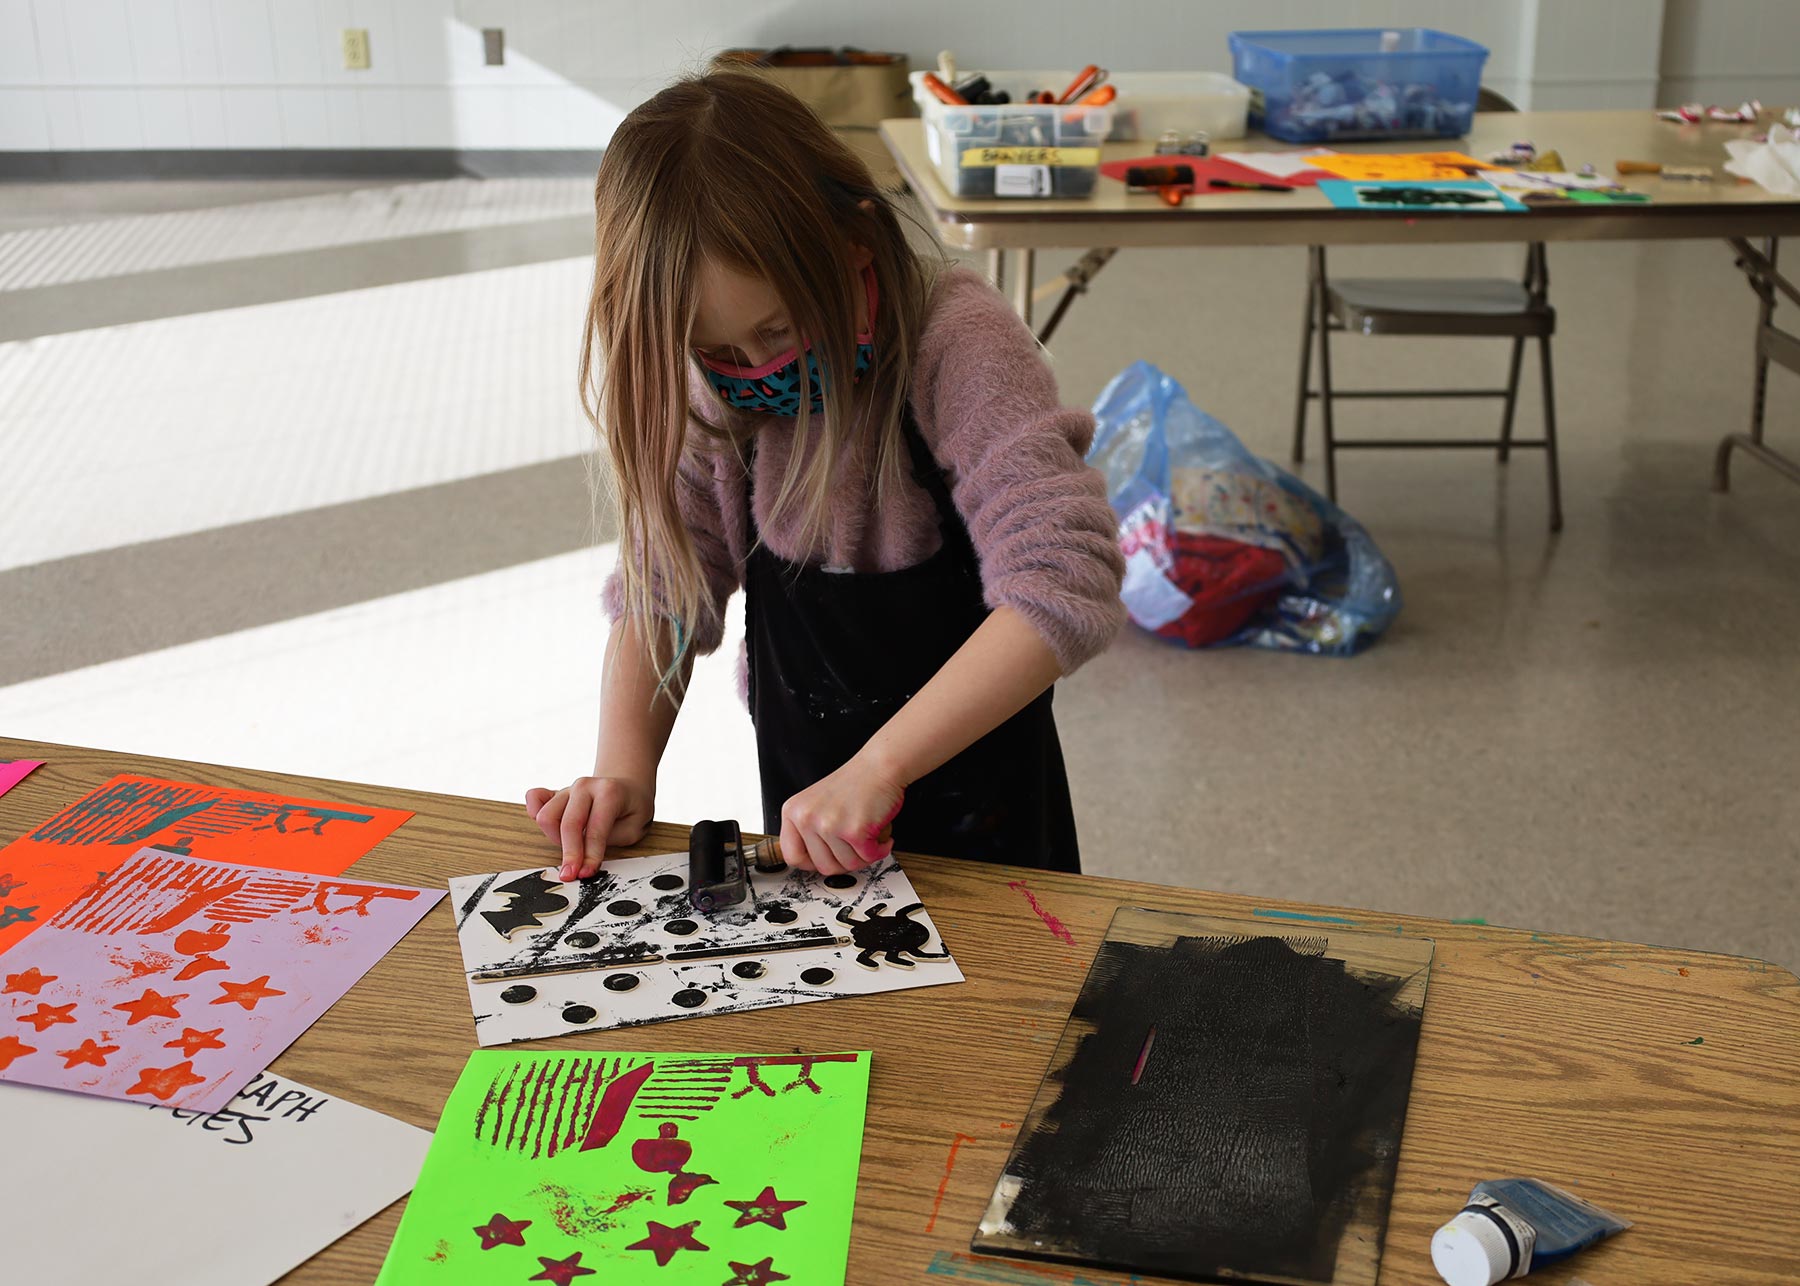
(1056, 926)
(14, 771)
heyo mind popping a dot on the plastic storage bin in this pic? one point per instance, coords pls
(1015, 149)
(1150, 102)
(1313, 86)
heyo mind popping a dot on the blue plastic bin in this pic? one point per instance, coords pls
(1397, 82)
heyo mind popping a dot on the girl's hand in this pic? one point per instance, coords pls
(589, 815)
(838, 824)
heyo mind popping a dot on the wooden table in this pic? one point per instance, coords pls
(1115, 218)
(1663, 1084)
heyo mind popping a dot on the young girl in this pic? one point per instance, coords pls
(795, 405)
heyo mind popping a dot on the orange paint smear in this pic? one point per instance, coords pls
(944, 1183)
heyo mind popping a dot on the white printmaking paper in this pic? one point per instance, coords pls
(1278, 165)
(796, 937)
(103, 1190)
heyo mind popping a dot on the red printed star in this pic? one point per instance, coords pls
(191, 1042)
(165, 1082)
(663, 1241)
(86, 1052)
(48, 1015)
(12, 1047)
(152, 1004)
(30, 982)
(761, 1273)
(501, 1231)
(765, 1208)
(561, 1271)
(247, 993)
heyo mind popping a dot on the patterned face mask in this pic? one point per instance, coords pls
(776, 386)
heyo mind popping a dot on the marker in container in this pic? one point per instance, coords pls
(1512, 1226)
(1243, 185)
(942, 92)
(1086, 80)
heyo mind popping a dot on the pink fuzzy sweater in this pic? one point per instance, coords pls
(986, 404)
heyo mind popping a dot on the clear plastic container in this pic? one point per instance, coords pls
(1370, 83)
(1151, 102)
(1015, 149)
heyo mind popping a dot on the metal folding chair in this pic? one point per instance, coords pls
(1432, 306)
(1429, 306)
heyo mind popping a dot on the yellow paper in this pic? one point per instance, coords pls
(1399, 166)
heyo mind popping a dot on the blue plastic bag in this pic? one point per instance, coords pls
(1174, 474)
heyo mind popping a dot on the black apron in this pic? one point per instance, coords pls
(833, 655)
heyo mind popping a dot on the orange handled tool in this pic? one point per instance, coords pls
(1100, 97)
(942, 92)
(1085, 80)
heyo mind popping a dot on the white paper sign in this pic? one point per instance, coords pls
(626, 948)
(101, 1190)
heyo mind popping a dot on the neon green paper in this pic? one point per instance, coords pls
(581, 1169)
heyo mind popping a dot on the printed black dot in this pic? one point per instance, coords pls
(817, 977)
(680, 928)
(749, 969)
(620, 981)
(688, 998)
(583, 940)
(578, 1014)
(667, 882)
(518, 995)
(840, 881)
(781, 915)
(625, 906)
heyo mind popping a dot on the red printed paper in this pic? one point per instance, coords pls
(44, 871)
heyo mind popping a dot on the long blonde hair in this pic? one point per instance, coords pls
(731, 167)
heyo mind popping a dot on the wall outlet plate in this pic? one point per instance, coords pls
(493, 45)
(356, 49)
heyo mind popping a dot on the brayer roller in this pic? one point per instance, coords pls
(719, 863)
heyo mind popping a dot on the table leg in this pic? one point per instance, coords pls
(996, 268)
(1772, 344)
(1021, 286)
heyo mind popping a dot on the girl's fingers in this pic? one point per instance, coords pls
(823, 859)
(572, 833)
(845, 855)
(549, 817)
(535, 798)
(793, 848)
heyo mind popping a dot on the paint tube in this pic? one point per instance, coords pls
(1512, 1226)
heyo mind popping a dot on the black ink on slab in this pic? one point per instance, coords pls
(689, 998)
(623, 907)
(840, 881)
(621, 982)
(581, 940)
(667, 881)
(817, 976)
(1227, 1102)
(518, 995)
(780, 914)
(680, 928)
(749, 968)
(578, 1014)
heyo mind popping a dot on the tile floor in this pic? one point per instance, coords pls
(1595, 733)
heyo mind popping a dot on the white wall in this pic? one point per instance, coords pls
(104, 74)
(1724, 51)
